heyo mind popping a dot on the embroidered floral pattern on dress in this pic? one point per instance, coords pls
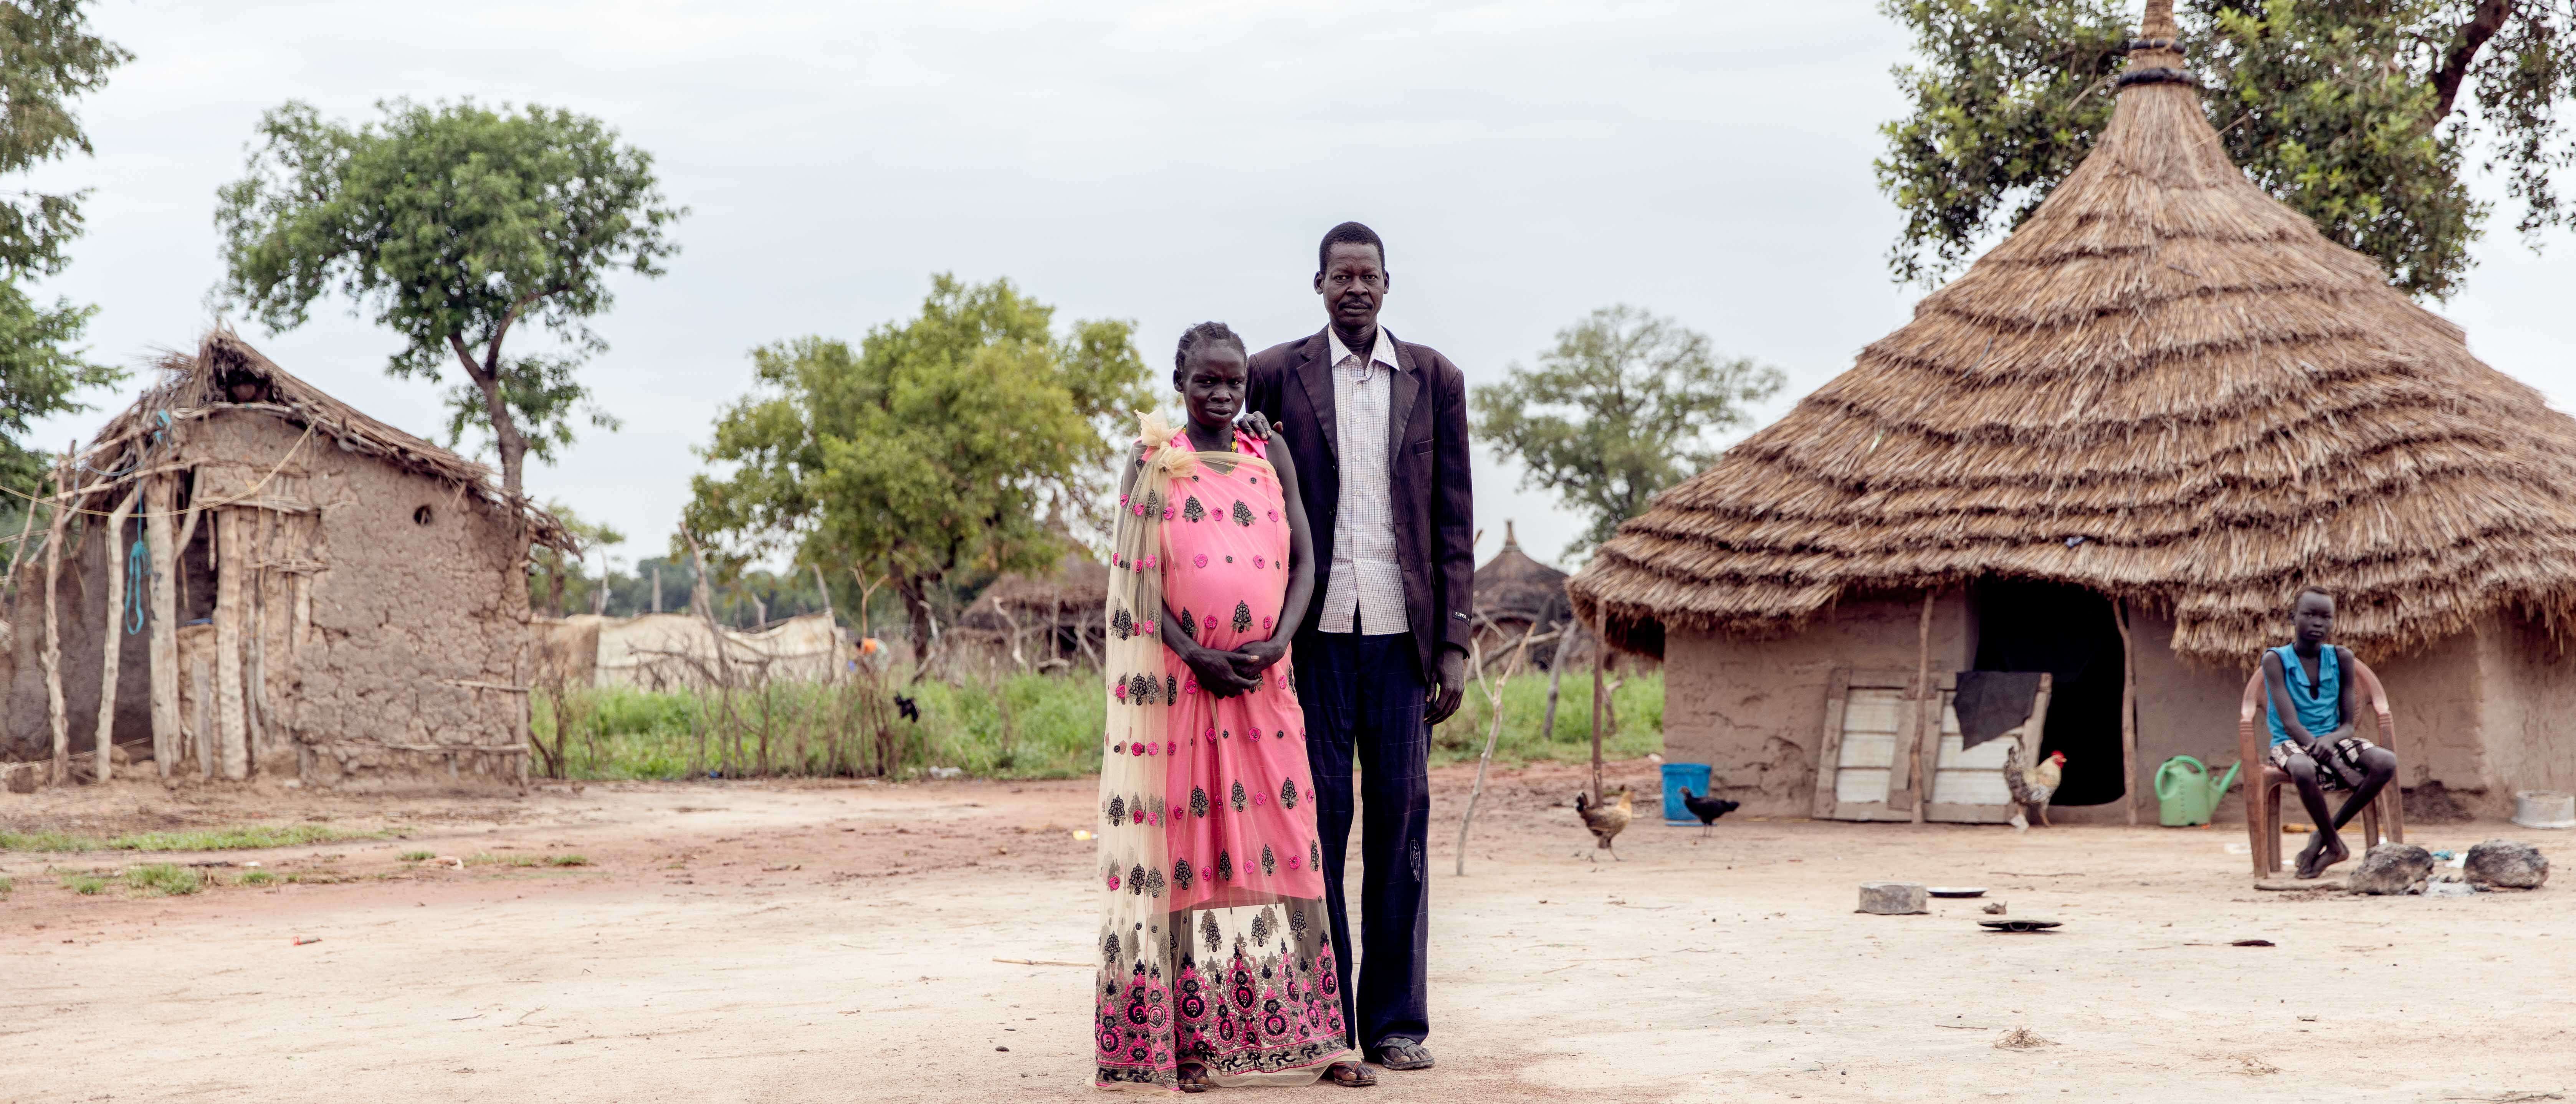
(1242, 616)
(1238, 796)
(1189, 625)
(1242, 514)
(1192, 511)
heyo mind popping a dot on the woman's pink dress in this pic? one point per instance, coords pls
(1249, 831)
(1254, 993)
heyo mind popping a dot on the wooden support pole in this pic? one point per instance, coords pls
(56, 715)
(25, 529)
(112, 639)
(204, 696)
(2128, 710)
(159, 493)
(1598, 694)
(232, 564)
(1927, 719)
(1556, 677)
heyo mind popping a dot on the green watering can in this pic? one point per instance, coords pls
(2186, 793)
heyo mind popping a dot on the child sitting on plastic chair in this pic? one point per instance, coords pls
(2312, 704)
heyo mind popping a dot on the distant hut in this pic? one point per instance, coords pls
(1513, 593)
(2164, 393)
(1054, 620)
(293, 590)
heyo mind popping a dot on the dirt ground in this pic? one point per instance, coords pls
(795, 942)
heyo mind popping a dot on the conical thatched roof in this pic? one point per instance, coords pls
(2165, 386)
(1512, 586)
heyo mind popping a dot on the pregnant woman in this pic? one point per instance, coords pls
(1217, 962)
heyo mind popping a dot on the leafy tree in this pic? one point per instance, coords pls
(948, 446)
(48, 57)
(1623, 406)
(2350, 111)
(453, 223)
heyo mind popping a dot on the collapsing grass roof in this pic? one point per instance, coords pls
(194, 386)
(2165, 386)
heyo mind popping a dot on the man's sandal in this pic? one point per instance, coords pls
(1350, 1075)
(1402, 1054)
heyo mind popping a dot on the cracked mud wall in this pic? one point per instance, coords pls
(1754, 710)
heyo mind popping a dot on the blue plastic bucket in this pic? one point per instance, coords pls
(1676, 776)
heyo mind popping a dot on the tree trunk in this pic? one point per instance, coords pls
(111, 643)
(157, 524)
(231, 720)
(2484, 21)
(66, 498)
(916, 602)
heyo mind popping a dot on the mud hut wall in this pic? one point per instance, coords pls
(1754, 710)
(2530, 678)
(383, 620)
(82, 596)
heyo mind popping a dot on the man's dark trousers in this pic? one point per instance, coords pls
(1364, 695)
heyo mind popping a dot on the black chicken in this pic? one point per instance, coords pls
(905, 706)
(1707, 809)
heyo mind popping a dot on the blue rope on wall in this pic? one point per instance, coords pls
(138, 570)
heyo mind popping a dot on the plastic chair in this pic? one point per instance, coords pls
(2264, 781)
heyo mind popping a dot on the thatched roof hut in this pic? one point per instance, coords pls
(1051, 620)
(1513, 589)
(1514, 592)
(2164, 390)
(255, 579)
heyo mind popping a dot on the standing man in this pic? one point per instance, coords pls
(1378, 430)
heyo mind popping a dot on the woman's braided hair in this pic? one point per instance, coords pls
(1203, 334)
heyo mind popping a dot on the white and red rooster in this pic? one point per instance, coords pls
(2032, 787)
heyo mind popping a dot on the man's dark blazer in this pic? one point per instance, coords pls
(1427, 482)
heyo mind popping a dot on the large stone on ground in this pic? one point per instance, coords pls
(2392, 868)
(2506, 864)
(1893, 898)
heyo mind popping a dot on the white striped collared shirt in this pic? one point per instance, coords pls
(1363, 584)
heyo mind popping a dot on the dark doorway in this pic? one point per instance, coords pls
(2068, 632)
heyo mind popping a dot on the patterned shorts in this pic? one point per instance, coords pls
(2340, 768)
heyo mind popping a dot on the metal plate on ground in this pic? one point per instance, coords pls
(2019, 924)
(1956, 891)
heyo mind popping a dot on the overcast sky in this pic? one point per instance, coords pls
(1160, 162)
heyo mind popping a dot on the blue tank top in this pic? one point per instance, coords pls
(2320, 708)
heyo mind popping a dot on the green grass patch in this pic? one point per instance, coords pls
(487, 859)
(567, 860)
(417, 856)
(1639, 702)
(258, 878)
(235, 838)
(8, 886)
(164, 880)
(1053, 730)
(619, 733)
(87, 885)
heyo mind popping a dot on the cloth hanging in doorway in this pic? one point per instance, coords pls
(1991, 703)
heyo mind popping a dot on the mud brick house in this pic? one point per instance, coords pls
(269, 583)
